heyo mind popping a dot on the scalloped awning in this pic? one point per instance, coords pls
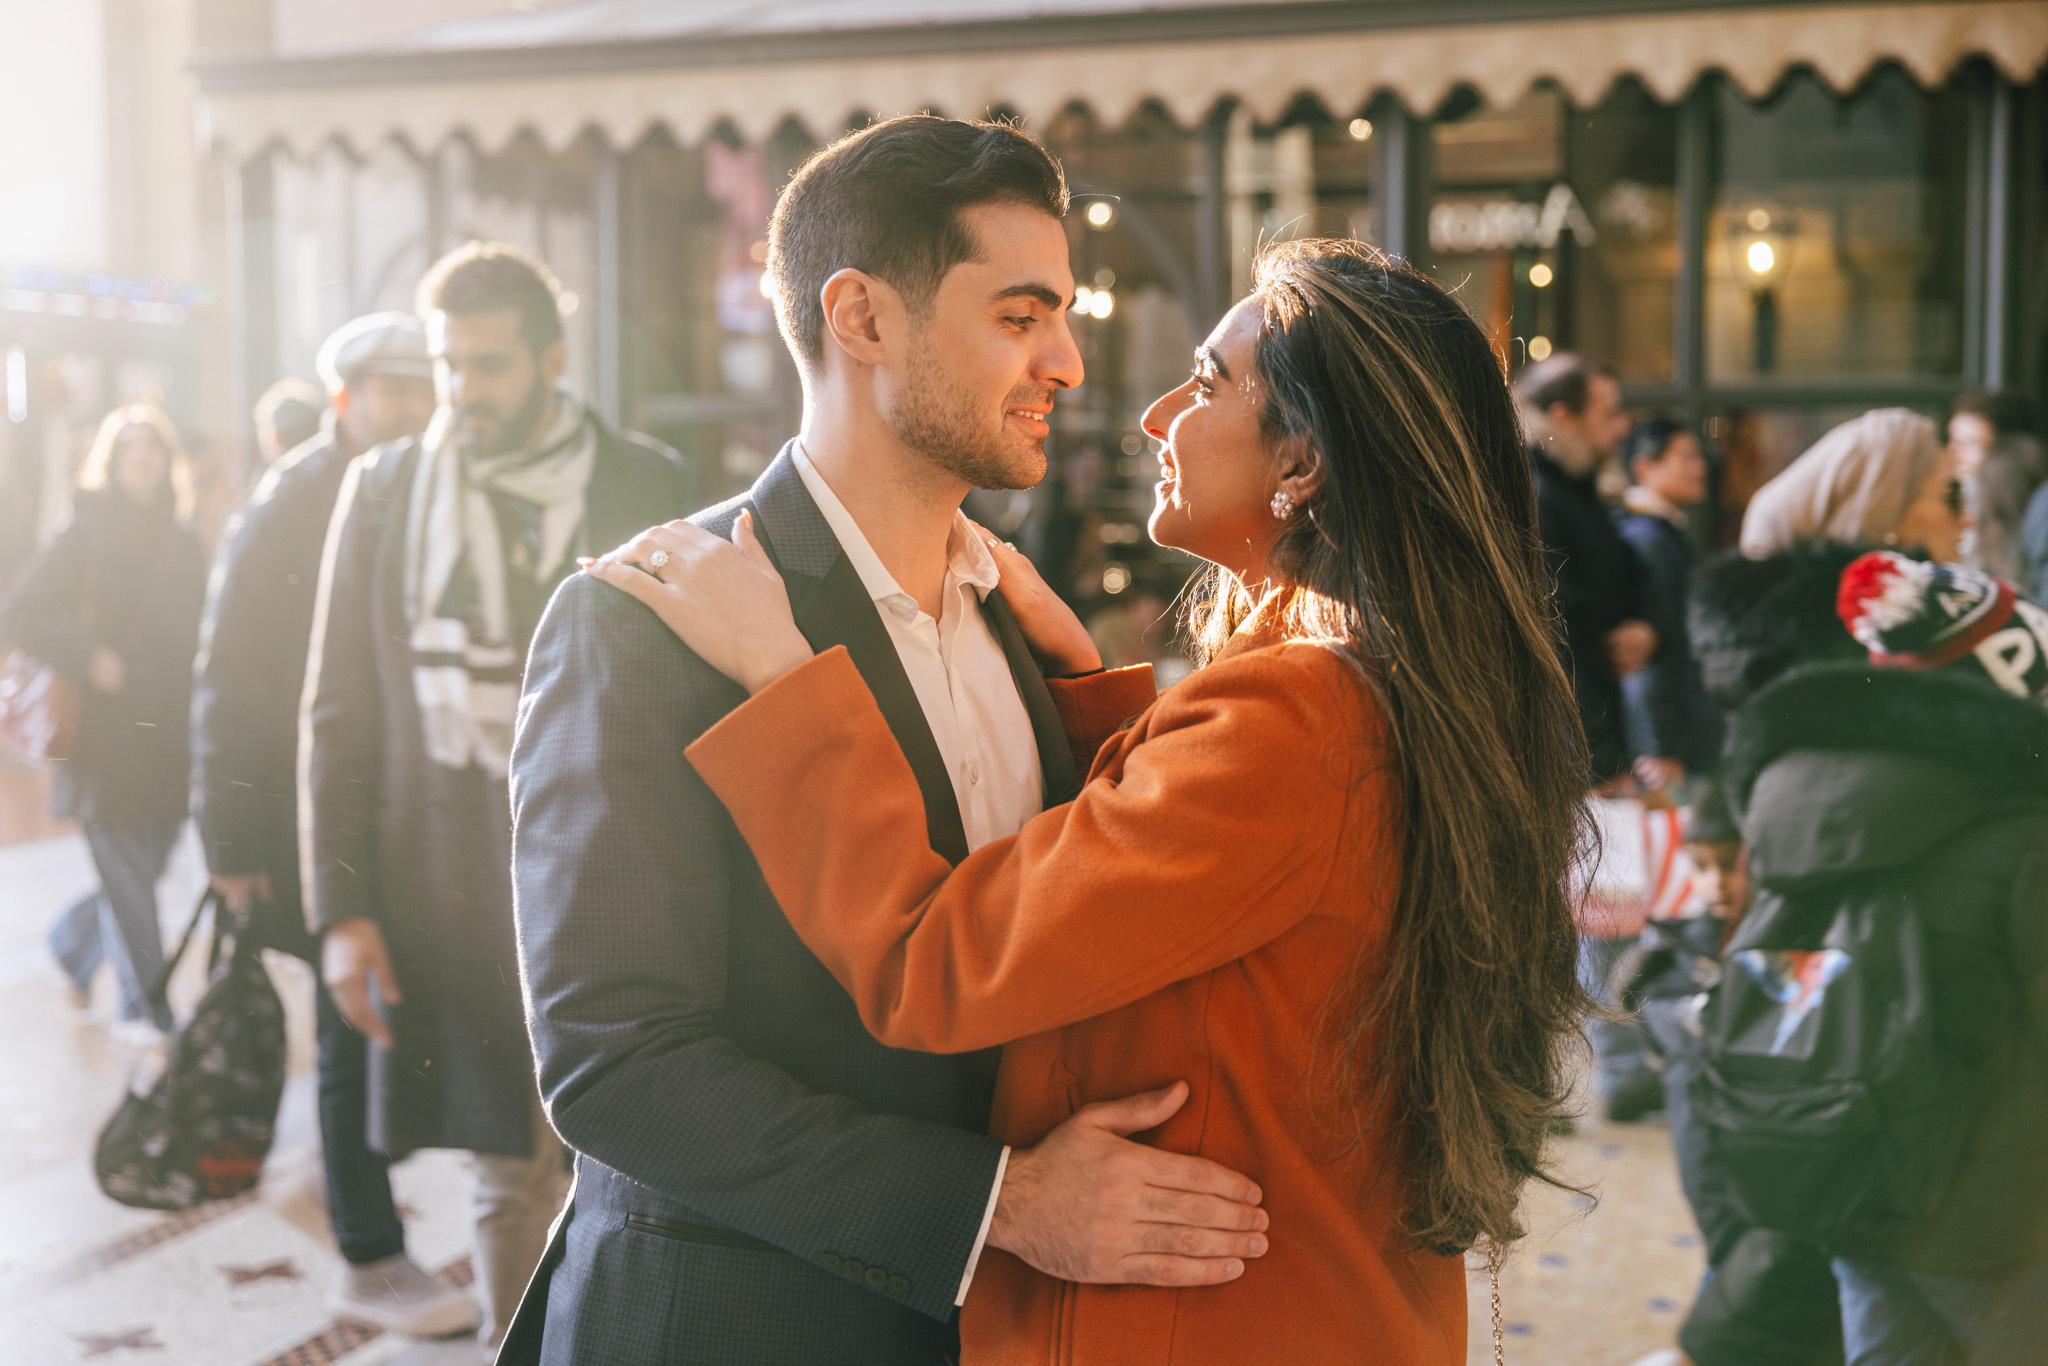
(1585, 56)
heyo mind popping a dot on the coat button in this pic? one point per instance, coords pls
(852, 1268)
(830, 1261)
(877, 1278)
(899, 1286)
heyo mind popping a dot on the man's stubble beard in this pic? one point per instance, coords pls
(513, 435)
(939, 422)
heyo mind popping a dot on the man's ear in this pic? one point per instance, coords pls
(862, 315)
(553, 362)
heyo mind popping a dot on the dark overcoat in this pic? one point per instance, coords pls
(1598, 583)
(131, 580)
(251, 671)
(422, 849)
(758, 1180)
(1666, 705)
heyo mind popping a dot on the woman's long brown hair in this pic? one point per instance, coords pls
(1419, 553)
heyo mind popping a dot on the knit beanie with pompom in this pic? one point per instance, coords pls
(1913, 615)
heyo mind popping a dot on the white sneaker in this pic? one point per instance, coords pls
(140, 1036)
(397, 1296)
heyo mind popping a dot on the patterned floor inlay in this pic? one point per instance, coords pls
(84, 1264)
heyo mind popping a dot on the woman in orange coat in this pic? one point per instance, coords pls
(1321, 880)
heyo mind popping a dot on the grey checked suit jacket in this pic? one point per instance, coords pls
(758, 1180)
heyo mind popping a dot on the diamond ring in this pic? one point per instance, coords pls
(658, 558)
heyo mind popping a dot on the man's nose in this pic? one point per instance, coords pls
(1059, 363)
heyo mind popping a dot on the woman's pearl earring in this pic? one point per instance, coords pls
(1283, 505)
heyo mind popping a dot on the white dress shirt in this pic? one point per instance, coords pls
(963, 684)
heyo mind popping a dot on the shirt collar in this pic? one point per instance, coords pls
(1636, 498)
(967, 558)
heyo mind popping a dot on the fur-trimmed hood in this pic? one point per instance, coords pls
(1753, 620)
(1948, 717)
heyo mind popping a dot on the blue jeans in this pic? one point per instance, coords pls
(118, 923)
(1895, 1317)
(1624, 1059)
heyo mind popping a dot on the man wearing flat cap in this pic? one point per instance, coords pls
(252, 665)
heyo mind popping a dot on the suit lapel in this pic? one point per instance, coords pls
(1061, 781)
(832, 607)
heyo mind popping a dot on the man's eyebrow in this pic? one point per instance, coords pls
(1206, 356)
(1044, 294)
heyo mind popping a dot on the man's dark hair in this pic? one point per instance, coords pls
(487, 277)
(1563, 378)
(1651, 439)
(887, 200)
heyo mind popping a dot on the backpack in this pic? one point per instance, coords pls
(202, 1131)
(1835, 1088)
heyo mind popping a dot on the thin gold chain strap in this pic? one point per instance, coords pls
(1500, 1349)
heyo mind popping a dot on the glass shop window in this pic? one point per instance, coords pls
(705, 368)
(1133, 246)
(1835, 235)
(1306, 175)
(1557, 228)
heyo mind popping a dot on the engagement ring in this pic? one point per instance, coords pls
(658, 558)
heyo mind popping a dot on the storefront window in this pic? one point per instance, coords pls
(705, 368)
(1835, 232)
(1133, 246)
(1614, 296)
(1309, 175)
(1556, 226)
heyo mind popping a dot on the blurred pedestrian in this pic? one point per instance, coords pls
(1895, 810)
(1978, 419)
(440, 557)
(113, 603)
(1997, 447)
(288, 415)
(1571, 411)
(1769, 1299)
(1882, 479)
(1572, 415)
(1672, 725)
(252, 666)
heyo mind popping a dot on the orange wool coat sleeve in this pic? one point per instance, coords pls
(1202, 834)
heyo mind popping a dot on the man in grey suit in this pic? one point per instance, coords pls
(759, 1180)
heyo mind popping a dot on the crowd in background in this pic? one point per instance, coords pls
(1739, 749)
(367, 616)
(1800, 759)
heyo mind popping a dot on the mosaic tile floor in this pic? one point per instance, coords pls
(232, 1284)
(242, 1284)
(1599, 1286)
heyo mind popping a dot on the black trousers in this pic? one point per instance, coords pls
(359, 1204)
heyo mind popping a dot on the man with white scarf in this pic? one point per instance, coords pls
(441, 556)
